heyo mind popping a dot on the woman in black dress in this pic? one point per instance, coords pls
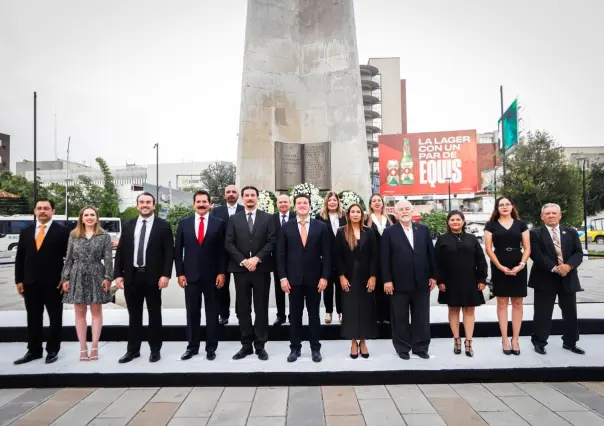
(355, 253)
(462, 276)
(333, 216)
(378, 220)
(507, 243)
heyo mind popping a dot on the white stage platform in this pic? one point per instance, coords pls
(383, 366)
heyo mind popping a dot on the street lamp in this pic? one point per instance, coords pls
(67, 200)
(156, 147)
(449, 182)
(584, 159)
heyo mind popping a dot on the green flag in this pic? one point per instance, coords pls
(510, 127)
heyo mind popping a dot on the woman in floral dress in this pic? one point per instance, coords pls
(87, 277)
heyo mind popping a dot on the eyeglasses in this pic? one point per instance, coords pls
(505, 205)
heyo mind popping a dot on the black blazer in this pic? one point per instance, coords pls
(159, 254)
(328, 223)
(241, 244)
(300, 264)
(544, 259)
(404, 266)
(222, 212)
(277, 224)
(200, 263)
(42, 266)
(344, 258)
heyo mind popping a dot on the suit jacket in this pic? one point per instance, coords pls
(304, 264)
(200, 263)
(43, 266)
(404, 266)
(242, 244)
(344, 257)
(277, 224)
(222, 212)
(158, 257)
(342, 222)
(544, 259)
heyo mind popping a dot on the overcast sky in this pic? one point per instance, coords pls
(122, 75)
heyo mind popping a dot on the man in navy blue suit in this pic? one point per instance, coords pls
(224, 212)
(304, 265)
(408, 271)
(200, 267)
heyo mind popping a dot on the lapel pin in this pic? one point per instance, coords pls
(564, 232)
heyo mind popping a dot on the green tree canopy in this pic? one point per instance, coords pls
(109, 200)
(217, 177)
(176, 213)
(595, 195)
(19, 185)
(436, 221)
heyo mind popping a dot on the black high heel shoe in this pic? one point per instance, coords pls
(516, 351)
(366, 355)
(468, 345)
(354, 356)
(456, 345)
(506, 351)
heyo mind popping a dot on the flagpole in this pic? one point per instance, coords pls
(502, 132)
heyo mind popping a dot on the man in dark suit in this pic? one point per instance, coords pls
(143, 267)
(304, 266)
(200, 267)
(556, 253)
(283, 216)
(224, 212)
(38, 267)
(408, 271)
(250, 239)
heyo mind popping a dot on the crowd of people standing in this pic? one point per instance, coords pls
(379, 269)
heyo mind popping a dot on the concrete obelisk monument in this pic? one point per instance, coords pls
(302, 114)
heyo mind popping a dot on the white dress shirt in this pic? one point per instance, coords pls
(45, 229)
(334, 218)
(379, 225)
(137, 235)
(283, 217)
(409, 233)
(551, 234)
(232, 209)
(205, 224)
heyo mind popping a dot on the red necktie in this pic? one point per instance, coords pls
(200, 233)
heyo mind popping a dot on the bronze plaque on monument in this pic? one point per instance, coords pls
(297, 163)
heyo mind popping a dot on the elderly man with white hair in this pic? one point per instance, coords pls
(408, 272)
(556, 253)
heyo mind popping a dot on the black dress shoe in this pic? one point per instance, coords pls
(154, 357)
(129, 357)
(422, 355)
(211, 355)
(404, 355)
(188, 354)
(223, 321)
(242, 354)
(293, 356)
(574, 349)
(51, 357)
(279, 321)
(316, 356)
(540, 349)
(28, 357)
(262, 355)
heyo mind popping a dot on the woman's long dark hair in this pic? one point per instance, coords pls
(456, 213)
(495, 216)
(348, 228)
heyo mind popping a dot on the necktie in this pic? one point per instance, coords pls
(250, 223)
(200, 233)
(303, 232)
(557, 246)
(40, 237)
(140, 255)
(282, 220)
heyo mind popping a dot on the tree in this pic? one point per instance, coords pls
(595, 195)
(176, 213)
(129, 213)
(436, 221)
(19, 185)
(538, 173)
(217, 177)
(109, 201)
(82, 192)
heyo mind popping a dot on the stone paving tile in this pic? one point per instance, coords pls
(116, 421)
(423, 420)
(550, 397)
(371, 392)
(503, 418)
(230, 414)
(53, 408)
(479, 398)
(597, 387)
(189, 421)
(504, 389)
(583, 395)
(171, 395)
(7, 395)
(155, 414)
(200, 402)
(90, 407)
(130, 403)
(456, 412)
(345, 421)
(305, 407)
(269, 403)
(409, 399)
(381, 412)
(582, 418)
(532, 411)
(239, 394)
(340, 401)
(438, 391)
(14, 409)
(266, 421)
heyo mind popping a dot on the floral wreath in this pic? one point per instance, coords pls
(348, 198)
(316, 201)
(267, 201)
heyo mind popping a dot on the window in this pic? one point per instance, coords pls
(110, 225)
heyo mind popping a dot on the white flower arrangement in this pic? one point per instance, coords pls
(348, 198)
(316, 201)
(266, 201)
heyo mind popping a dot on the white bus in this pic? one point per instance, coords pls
(11, 226)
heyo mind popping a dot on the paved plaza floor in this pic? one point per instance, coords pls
(494, 404)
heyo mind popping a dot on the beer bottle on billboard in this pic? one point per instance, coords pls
(406, 164)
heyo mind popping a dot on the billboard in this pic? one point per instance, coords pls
(422, 163)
